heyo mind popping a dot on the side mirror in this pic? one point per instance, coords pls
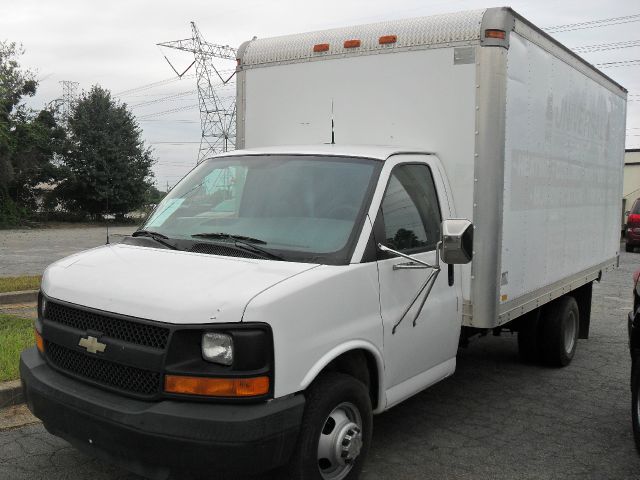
(627, 212)
(457, 241)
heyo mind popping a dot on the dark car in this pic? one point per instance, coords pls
(632, 232)
(634, 347)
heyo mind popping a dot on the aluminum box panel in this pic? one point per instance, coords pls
(564, 149)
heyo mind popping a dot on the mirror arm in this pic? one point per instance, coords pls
(409, 257)
(428, 284)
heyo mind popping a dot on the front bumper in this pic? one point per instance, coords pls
(156, 439)
(632, 237)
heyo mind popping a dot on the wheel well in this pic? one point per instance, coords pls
(582, 296)
(361, 365)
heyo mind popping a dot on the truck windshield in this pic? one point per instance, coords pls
(302, 208)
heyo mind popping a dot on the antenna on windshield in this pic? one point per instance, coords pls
(333, 133)
(106, 217)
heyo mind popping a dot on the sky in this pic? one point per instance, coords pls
(113, 44)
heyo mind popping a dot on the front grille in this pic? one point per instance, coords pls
(214, 249)
(126, 330)
(121, 377)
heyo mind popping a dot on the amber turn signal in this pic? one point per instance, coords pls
(39, 341)
(491, 33)
(351, 43)
(321, 47)
(386, 39)
(216, 387)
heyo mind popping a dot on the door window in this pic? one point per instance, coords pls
(410, 210)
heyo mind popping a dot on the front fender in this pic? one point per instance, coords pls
(349, 346)
(316, 316)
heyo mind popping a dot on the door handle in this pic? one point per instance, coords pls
(409, 266)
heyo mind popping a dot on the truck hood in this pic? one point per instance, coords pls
(164, 285)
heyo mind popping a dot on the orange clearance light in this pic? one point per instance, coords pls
(39, 341)
(321, 47)
(216, 387)
(491, 33)
(387, 39)
(351, 43)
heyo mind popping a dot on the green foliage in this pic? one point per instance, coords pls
(16, 334)
(154, 196)
(28, 140)
(16, 284)
(108, 165)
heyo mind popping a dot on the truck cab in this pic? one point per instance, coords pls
(202, 327)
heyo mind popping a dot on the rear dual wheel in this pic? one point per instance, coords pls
(551, 335)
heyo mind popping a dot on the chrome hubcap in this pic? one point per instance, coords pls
(340, 442)
(571, 326)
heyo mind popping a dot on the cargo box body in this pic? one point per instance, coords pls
(530, 135)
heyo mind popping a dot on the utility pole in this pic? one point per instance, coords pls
(217, 114)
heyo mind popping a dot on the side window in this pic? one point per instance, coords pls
(410, 210)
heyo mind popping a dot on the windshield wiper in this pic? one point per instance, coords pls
(229, 236)
(158, 237)
(242, 243)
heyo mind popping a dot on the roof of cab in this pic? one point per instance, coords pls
(375, 152)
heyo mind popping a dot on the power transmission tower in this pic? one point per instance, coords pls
(217, 112)
(68, 97)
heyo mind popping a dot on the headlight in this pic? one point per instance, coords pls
(217, 348)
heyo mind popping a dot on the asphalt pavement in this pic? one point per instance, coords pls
(496, 418)
(29, 251)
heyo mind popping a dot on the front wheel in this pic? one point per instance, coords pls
(336, 430)
(628, 248)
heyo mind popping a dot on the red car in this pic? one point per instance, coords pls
(632, 232)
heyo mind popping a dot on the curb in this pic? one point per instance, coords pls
(11, 393)
(23, 296)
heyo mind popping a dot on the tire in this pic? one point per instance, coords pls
(529, 337)
(336, 402)
(635, 400)
(629, 248)
(559, 332)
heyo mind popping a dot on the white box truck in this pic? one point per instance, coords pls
(400, 187)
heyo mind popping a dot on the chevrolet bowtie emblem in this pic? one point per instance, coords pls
(92, 344)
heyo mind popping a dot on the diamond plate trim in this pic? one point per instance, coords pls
(415, 32)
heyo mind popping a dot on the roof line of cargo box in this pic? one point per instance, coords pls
(436, 31)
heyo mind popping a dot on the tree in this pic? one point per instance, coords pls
(28, 139)
(109, 167)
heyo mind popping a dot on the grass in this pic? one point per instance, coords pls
(15, 284)
(16, 334)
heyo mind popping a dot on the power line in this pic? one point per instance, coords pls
(163, 99)
(606, 46)
(148, 86)
(170, 142)
(605, 22)
(167, 112)
(622, 63)
(167, 120)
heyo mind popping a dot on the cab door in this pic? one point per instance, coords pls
(420, 344)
